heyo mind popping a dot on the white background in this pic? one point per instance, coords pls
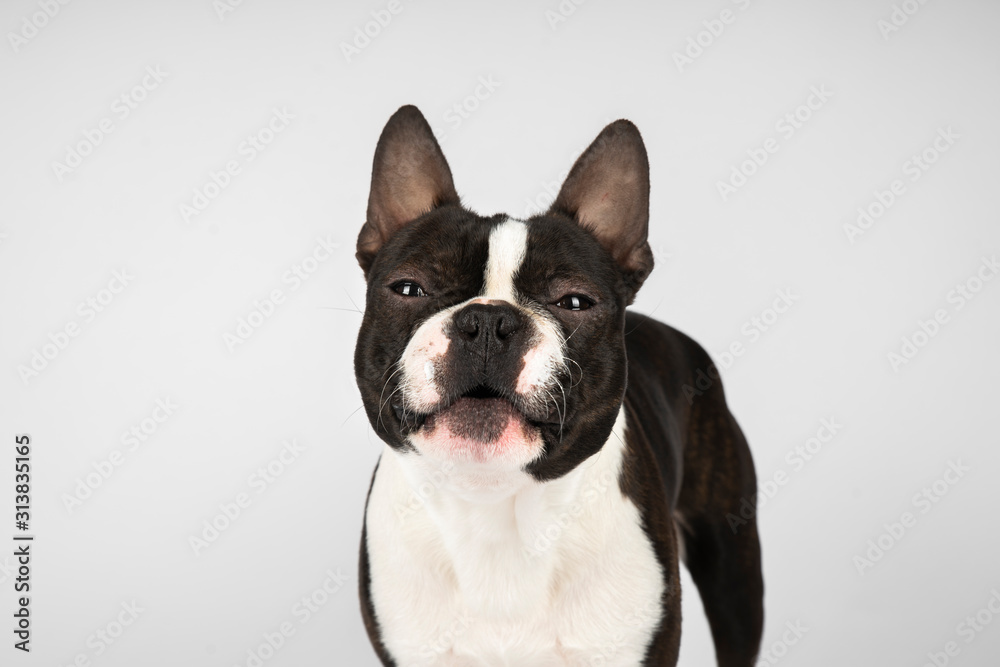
(719, 264)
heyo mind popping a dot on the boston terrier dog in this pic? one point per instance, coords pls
(546, 463)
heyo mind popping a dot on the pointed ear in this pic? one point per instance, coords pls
(409, 178)
(607, 191)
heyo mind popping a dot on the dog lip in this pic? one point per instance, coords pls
(411, 420)
(479, 392)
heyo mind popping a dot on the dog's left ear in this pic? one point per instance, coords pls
(607, 192)
(410, 176)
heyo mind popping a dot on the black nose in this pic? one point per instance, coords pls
(493, 326)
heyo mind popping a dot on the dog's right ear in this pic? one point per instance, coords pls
(607, 192)
(409, 178)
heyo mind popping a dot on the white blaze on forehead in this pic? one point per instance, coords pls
(507, 248)
(508, 245)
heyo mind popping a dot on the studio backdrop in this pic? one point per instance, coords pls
(185, 462)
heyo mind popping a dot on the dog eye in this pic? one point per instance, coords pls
(574, 302)
(408, 288)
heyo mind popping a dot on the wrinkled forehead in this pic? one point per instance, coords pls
(499, 256)
(445, 245)
(560, 251)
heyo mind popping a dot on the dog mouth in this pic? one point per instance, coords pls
(482, 392)
(478, 410)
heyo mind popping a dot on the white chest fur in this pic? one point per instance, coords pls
(473, 569)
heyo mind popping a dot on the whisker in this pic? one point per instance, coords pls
(574, 331)
(644, 315)
(389, 398)
(399, 368)
(352, 301)
(562, 419)
(573, 384)
(352, 414)
(565, 366)
(555, 404)
(349, 310)
(381, 403)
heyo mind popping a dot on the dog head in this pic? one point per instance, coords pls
(489, 342)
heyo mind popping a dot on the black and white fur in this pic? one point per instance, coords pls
(540, 457)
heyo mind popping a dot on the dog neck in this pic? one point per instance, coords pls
(503, 530)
